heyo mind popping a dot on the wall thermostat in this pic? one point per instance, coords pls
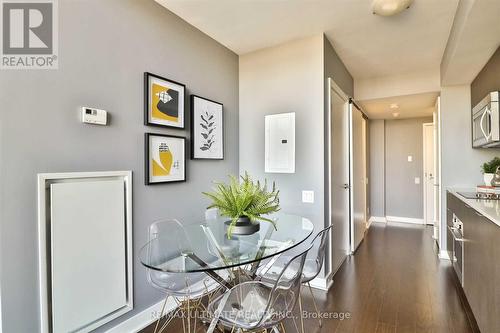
(94, 116)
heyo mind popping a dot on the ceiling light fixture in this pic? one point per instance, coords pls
(390, 7)
(395, 114)
(394, 106)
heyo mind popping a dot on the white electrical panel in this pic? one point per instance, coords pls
(94, 116)
(280, 143)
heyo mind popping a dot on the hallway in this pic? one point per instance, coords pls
(394, 283)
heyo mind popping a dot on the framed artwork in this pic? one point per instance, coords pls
(207, 129)
(163, 101)
(165, 157)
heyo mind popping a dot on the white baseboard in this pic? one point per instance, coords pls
(144, 318)
(404, 219)
(322, 283)
(377, 219)
(443, 255)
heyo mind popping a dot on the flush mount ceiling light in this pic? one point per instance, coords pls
(394, 106)
(390, 7)
(395, 114)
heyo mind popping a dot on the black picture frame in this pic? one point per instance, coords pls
(147, 158)
(147, 122)
(194, 132)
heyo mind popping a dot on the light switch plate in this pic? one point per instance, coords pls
(308, 196)
(417, 180)
(410, 158)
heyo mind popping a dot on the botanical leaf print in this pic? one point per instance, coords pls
(208, 124)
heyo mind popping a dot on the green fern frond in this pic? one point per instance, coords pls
(244, 197)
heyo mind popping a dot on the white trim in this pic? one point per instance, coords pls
(439, 147)
(377, 219)
(404, 220)
(144, 318)
(322, 283)
(44, 180)
(352, 246)
(443, 255)
(331, 86)
(424, 162)
(337, 89)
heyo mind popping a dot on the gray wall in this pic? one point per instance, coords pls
(460, 163)
(404, 137)
(291, 78)
(335, 69)
(105, 46)
(377, 167)
(393, 191)
(286, 78)
(487, 80)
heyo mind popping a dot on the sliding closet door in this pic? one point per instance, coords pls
(358, 177)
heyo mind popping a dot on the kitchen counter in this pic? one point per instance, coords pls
(488, 208)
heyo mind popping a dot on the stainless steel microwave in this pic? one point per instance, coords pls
(486, 122)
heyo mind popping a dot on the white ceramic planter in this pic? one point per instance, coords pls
(488, 177)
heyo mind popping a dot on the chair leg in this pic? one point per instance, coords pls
(295, 324)
(183, 322)
(161, 314)
(301, 316)
(188, 316)
(315, 306)
(171, 317)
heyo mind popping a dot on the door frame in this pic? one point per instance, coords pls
(332, 86)
(424, 177)
(438, 217)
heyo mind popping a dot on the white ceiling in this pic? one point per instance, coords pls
(410, 106)
(369, 45)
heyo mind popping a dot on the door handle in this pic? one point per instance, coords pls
(455, 238)
(486, 136)
(346, 186)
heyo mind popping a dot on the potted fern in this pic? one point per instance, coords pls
(245, 203)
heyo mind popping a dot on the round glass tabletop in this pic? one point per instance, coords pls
(205, 246)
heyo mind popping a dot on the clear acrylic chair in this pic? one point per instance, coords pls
(212, 214)
(255, 305)
(312, 266)
(186, 288)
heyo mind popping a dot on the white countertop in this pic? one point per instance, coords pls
(488, 208)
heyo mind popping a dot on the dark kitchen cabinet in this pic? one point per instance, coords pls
(481, 264)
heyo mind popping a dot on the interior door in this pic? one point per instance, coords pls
(437, 171)
(339, 175)
(358, 176)
(429, 174)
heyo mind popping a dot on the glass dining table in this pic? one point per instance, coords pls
(207, 248)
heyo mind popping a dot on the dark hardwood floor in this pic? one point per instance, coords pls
(394, 283)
